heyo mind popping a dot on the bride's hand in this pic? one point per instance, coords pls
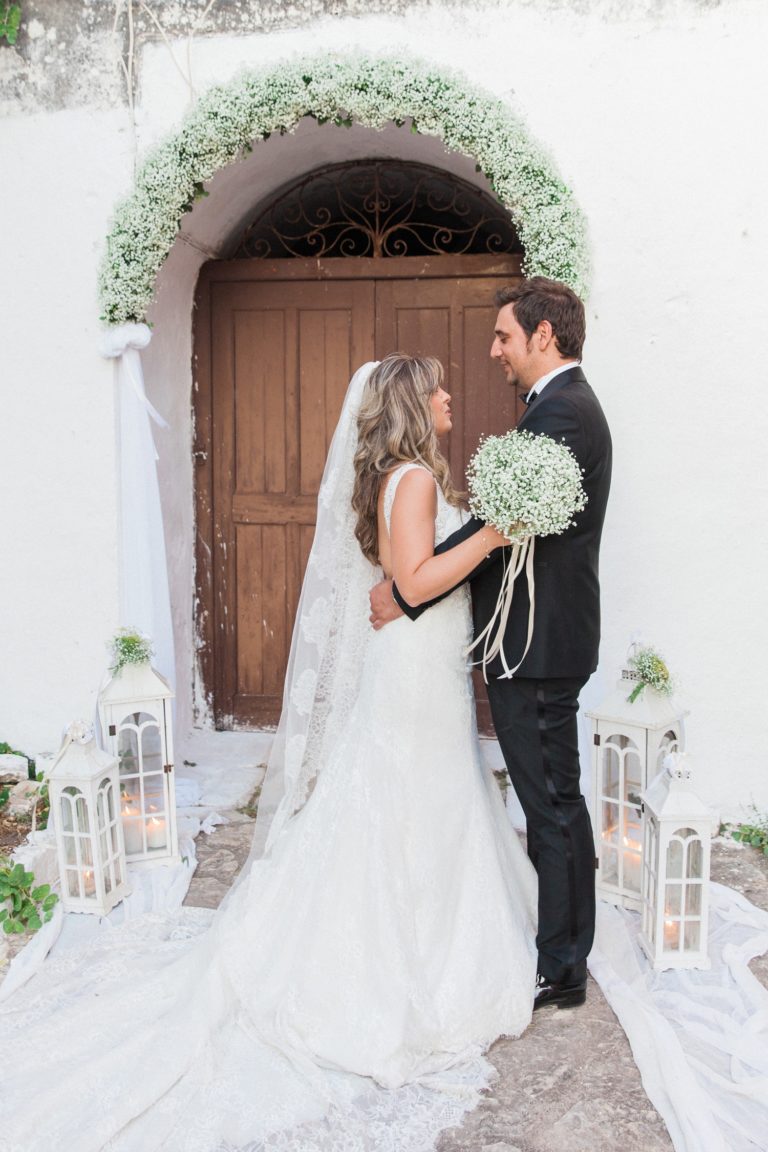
(383, 607)
(493, 539)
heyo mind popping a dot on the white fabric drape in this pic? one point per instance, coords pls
(145, 601)
(699, 1038)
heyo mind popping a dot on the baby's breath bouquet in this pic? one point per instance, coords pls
(129, 646)
(651, 670)
(524, 485)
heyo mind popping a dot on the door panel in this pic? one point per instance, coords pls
(274, 360)
(281, 358)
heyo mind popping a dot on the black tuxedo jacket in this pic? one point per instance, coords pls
(566, 632)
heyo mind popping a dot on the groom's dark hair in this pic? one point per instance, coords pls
(540, 299)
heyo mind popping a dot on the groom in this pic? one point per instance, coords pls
(538, 339)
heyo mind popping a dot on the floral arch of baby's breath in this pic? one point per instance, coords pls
(339, 90)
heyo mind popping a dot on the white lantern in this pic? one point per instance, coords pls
(677, 830)
(630, 741)
(136, 725)
(83, 790)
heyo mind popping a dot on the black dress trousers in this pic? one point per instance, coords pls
(536, 727)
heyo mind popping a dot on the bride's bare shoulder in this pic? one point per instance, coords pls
(413, 479)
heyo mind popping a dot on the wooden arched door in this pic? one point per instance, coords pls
(276, 342)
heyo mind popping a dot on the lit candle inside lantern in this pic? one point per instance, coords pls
(156, 837)
(131, 825)
(89, 883)
(671, 934)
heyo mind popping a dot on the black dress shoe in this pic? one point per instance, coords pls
(560, 995)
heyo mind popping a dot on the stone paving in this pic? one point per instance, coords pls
(569, 1084)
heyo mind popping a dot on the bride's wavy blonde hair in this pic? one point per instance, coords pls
(394, 426)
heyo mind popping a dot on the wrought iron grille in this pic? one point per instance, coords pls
(378, 208)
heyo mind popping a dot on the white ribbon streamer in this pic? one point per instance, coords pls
(493, 645)
(145, 601)
(124, 341)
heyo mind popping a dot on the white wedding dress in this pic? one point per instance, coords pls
(344, 997)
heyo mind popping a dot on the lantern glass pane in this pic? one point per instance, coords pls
(649, 921)
(104, 846)
(631, 837)
(609, 864)
(693, 900)
(67, 811)
(107, 881)
(73, 884)
(129, 800)
(86, 851)
(70, 850)
(611, 768)
(695, 861)
(631, 855)
(151, 745)
(633, 775)
(652, 900)
(101, 814)
(154, 794)
(692, 936)
(611, 829)
(673, 900)
(128, 749)
(113, 836)
(675, 859)
(81, 815)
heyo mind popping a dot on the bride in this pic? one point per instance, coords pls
(381, 936)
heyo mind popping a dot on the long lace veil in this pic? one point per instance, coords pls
(329, 639)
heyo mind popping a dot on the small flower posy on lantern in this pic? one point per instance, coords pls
(83, 789)
(634, 728)
(677, 830)
(136, 724)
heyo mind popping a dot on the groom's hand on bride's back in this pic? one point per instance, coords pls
(383, 607)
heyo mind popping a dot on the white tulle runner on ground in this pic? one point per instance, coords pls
(699, 1038)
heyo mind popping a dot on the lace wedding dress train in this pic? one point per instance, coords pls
(344, 997)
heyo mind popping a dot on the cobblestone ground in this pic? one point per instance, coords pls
(570, 1083)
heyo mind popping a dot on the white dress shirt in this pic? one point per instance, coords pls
(541, 384)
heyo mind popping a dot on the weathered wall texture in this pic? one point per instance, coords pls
(638, 104)
(68, 51)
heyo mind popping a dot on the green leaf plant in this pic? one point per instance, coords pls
(24, 906)
(10, 19)
(753, 832)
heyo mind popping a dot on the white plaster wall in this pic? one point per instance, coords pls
(61, 173)
(654, 121)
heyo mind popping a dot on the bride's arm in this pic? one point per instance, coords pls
(419, 574)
